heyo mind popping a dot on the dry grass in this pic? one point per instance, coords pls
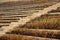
(25, 2)
(36, 32)
(47, 22)
(22, 37)
(40, 27)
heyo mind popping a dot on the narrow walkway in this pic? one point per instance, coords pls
(23, 21)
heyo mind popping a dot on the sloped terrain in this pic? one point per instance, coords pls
(46, 27)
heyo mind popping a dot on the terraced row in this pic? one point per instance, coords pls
(42, 28)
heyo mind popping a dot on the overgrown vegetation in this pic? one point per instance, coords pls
(46, 22)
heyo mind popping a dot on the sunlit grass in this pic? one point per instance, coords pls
(48, 23)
